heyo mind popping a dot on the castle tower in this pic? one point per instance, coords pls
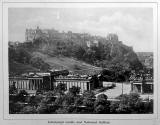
(112, 37)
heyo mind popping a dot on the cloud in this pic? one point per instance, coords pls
(134, 26)
(136, 32)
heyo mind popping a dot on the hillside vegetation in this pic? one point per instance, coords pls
(146, 58)
(71, 52)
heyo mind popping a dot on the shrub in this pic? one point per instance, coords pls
(42, 108)
(113, 106)
(22, 96)
(12, 89)
(29, 110)
(102, 103)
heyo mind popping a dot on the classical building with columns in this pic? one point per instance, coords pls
(82, 83)
(47, 82)
(142, 86)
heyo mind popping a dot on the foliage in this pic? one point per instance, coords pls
(113, 107)
(88, 101)
(116, 73)
(103, 54)
(22, 96)
(14, 107)
(35, 100)
(39, 63)
(12, 89)
(78, 101)
(71, 102)
(60, 88)
(39, 92)
(95, 81)
(42, 108)
(74, 90)
(29, 110)
(131, 104)
(101, 105)
(100, 109)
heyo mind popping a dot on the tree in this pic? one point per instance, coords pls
(42, 108)
(114, 106)
(35, 100)
(123, 109)
(13, 89)
(39, 92)
(88, 101)
(101, 104)
(95, 81)
(60, 88)
(78, 104)
(66, 109)
(29, 110)
(74, 90)
(22, 95)
(129, 103)
(78, 101)
(100, 109)
(79, 52)
(68, 99)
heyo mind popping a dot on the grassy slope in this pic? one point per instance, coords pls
(62, 62)
(67, 63)
(55, 63)
(19, 68)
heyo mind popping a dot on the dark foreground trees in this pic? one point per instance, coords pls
(72, 102)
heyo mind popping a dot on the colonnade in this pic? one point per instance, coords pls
(27, 84)
(37, 83)
(83, 84)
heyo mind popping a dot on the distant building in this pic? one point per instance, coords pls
(16, 43)
(142, 84)
(32, 34)
(112, 37)
(92, 43)
(107, 84)
(95, 42)
(88, 44)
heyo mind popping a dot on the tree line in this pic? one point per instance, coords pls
(72, 102)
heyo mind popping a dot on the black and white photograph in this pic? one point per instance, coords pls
(79, 63)
(80, 60)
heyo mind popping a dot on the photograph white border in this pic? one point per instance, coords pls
(6, 114)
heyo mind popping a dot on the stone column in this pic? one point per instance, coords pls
(20, 82)
(85, 86)
(69, 85)
(141, 88)
(36, 84)
(89, 86)
(16, 84)
(27, 84)
(32, 85)
(23, 85)
(40, 84)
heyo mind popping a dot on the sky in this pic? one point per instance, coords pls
(134, 26)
